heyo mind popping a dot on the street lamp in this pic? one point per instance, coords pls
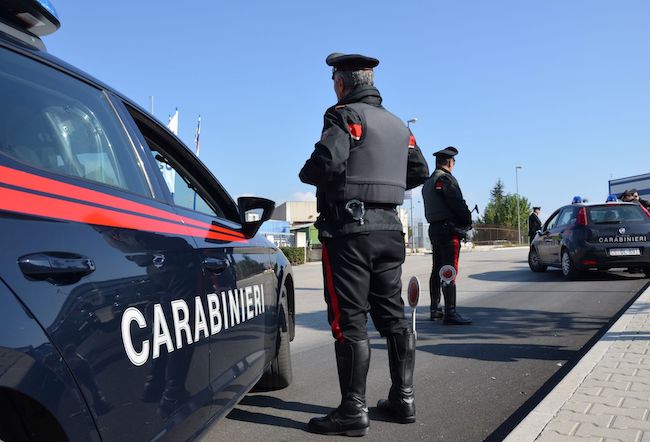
(518, 214)
(408, 123)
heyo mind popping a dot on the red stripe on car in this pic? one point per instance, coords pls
(35, 182)
(50, 207)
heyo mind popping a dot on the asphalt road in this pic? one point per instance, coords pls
(472, 382)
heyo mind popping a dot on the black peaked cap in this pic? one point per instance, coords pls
(350, 62)
(447, 152)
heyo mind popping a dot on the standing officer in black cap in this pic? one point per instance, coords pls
(449, 220)
(534, 224)
(364, 161)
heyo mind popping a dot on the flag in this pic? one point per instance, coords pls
(197, 134)
(172, 124)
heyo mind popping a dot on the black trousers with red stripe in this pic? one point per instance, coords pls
(362, 273)
(446, 249)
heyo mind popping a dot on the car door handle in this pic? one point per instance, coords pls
(215, 265)
(54, 265)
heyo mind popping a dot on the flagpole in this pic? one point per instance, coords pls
(197, 148)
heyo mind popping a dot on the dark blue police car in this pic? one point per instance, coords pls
(579, 237)
(132, 307)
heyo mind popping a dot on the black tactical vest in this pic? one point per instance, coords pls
(435, 206)
(376, 169)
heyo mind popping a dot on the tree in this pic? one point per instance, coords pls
(502, 208)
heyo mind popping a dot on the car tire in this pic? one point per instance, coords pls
(279, 373)
(534, 262)
(569, 270)
(646, 271)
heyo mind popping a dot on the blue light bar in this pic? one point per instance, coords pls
(49, 7)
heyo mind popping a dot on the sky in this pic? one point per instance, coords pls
(560, 88)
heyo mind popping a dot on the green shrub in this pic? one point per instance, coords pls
(295, 255)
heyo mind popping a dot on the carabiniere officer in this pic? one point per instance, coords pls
(449, 221)
(364, 161)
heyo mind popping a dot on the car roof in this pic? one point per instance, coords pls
(612, 203)
(607, 204)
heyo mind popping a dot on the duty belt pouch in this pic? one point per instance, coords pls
(451, 228)
(356, 210)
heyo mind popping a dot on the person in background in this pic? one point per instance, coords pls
(632, 196)
(449, 221)
(534, 224)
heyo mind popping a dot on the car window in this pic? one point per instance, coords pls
(552, 221)
(180, 185)
(615, 214)
(55, 122)
(175, 164)
(566, 217)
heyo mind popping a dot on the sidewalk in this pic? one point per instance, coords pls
(606, 396)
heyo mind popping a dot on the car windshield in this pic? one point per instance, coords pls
(615, 214)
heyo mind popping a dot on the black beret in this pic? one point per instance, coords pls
(350, 62)
(447, 152)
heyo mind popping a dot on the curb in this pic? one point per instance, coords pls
(532, 426)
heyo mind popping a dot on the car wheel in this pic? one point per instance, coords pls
(647, 272)
(568, 268)
(279, 373)
(534, 262)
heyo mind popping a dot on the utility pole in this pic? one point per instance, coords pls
(412, 237)
(518, 214)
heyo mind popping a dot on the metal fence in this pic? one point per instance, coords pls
(486, 234)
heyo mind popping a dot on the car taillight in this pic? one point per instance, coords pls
(582, 216)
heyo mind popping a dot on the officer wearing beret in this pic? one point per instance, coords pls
(449, 220)
(366, 158)
(534, 224)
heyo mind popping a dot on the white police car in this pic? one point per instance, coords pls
(128, 310)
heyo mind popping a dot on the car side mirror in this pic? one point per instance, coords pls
(253, 211)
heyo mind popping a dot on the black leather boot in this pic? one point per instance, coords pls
(351, 417)
(435, 310)
(400, 405)
(452, 317)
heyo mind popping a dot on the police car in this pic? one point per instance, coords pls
(580, 236)
(130, 309)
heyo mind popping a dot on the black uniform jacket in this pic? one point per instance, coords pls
(444, 200)
(534, 224)
(327, 164)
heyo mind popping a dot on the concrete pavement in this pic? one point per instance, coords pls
(606, 396)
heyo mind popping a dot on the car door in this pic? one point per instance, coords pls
(96, 254)
(544, 244)
(556, 232)
(238, 278)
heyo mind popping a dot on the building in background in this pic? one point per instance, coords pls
(296, 212)
(639, 182)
